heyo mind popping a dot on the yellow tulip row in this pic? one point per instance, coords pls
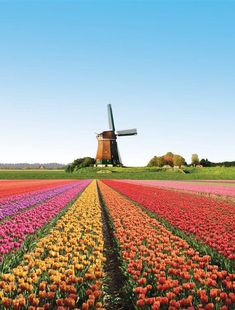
(65, 270)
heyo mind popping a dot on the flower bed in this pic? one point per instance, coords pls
(17, 187)
(163, 271)
(214, 189)
(65, 269)
(209, 220)
(31, 199)
(14, 231)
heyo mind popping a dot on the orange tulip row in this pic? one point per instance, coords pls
(164, 271)
(65, 269)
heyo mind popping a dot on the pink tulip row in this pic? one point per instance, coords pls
(195, 187)
(212, 181)
(14, 231)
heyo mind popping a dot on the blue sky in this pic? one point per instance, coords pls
(167, 68)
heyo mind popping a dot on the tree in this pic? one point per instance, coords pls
(152, 162)
(80, 163)
(156, 161)
(168, 158)
(195, 159)
(68, 168)
(87, 162)
(206, 163)
(160, 161)
(178, 160)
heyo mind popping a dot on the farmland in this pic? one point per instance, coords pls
(83, 244)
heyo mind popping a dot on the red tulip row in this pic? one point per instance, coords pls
(164, 272)
(210, 221)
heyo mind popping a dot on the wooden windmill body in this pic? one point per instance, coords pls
(107, 152)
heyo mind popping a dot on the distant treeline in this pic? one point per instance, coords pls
(207, 163)
(172, 160)
(32, 166)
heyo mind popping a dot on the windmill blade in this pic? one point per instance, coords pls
(127, 132)
(119, 156)
(110, 117)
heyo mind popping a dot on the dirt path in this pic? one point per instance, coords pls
(114, 286)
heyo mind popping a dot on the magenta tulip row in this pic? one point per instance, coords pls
(31, 199)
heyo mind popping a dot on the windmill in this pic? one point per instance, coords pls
(107, 152)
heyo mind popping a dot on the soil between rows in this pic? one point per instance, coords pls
(116, 298)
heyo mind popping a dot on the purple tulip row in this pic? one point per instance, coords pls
(18, 197)
(31, 199)
(14, 231)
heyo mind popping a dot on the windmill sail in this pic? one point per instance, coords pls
(119, 156)
(110, 117)
(127, 132)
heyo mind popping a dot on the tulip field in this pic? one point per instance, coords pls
(221, 188)
(107, 244)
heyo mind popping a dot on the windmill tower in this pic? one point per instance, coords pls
(107, 152)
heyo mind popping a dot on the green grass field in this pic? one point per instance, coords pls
(142, 173)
